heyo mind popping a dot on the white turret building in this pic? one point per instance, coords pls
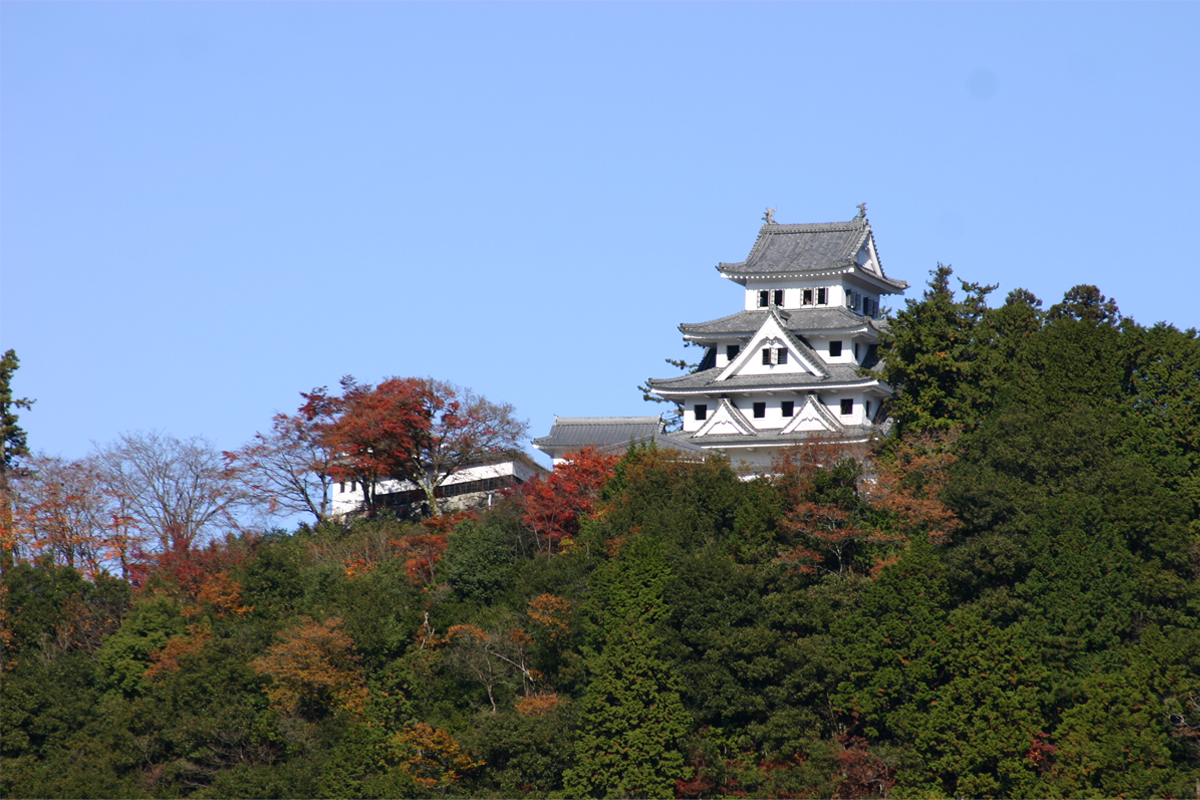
(798, 360)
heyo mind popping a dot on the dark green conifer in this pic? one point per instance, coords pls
(632, 720)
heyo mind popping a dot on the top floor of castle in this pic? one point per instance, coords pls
(814, 266)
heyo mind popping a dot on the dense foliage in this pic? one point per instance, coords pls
(999, 600)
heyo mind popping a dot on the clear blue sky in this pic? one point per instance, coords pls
(206, 208)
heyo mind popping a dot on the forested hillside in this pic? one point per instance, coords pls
(1000, 599)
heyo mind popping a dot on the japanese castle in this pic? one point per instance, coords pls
(797, 361)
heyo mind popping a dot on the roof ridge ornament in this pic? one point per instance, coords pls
(862, 212)
(769, 217)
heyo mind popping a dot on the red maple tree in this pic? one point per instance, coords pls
(552, 507)
(418, 430)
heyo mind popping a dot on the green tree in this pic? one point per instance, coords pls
(632, 719)
(479, 559)
(982, 719)
(893, 646)
(1122, 736)
(929, 353)
(13, 448)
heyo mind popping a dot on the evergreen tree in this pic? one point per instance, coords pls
(632, 720)
(929, 353)
(13, 448)
(893, 646)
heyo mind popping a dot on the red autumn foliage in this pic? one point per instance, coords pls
(409, 429)
(421, 553)
(860, 772)
(553, 507)
(828, 512)
(820, 480)
(1041, 752)
(197, 576)
(909, 480)
(375, 430)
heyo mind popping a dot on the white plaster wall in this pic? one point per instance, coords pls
(690, 423)
(345, 500)
(774, 418)
(834, 403)
(754, 365)
(821, 345)
(722, 359)
(793, 292)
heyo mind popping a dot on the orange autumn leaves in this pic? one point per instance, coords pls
(846, 518)
(312, 668)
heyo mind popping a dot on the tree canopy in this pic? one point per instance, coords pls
(1002, 599)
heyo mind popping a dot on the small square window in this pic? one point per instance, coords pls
(763, 298)
(822, 296)
(760, 410)
(807, 297)
(835, 349)
(788, 407)
(701, 412)
(779, 297)
(781, 355)
(766, 357)
(847, 406)
(731, 351)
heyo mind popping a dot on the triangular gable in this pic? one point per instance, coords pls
(774, 333)
(726, 420)
(868, 257)
(813, 416)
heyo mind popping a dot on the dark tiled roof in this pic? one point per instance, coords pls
(839, 375)
(803, 248)
(574, 432)
(796, 249)
(800, 320)
(771, 436)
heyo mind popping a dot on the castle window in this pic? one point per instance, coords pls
(760, 410)
(764, 298)
(779, 297)
(807, 297)
(835, 349)
(847, 406)
(731, 351)
(867, 408)
(856, 351)
(781, 355)
(701, 412)
(788, 407)
(822, 297)
(766, 357)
